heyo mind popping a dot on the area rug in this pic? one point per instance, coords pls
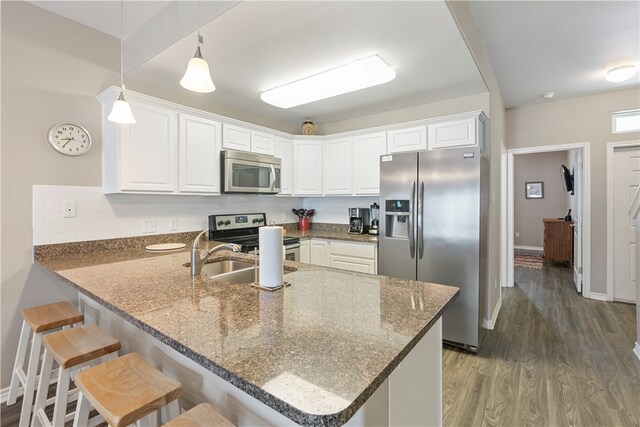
(529, 260)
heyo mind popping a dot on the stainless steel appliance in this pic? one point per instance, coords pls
(242, 229)
(244, 172)
(375, 219)
(433, 228)
(358, 220)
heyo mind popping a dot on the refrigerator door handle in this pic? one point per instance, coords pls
(412, 233)
(420, 236)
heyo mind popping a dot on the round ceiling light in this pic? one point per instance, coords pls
(620, 74)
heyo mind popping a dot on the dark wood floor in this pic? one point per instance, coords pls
(553, 359)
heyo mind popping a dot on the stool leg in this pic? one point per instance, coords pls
(43, 387)
(27, 398)
(20, 356)
(82, 411)
(62, 397)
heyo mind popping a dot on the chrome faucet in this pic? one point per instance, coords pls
(198, 260)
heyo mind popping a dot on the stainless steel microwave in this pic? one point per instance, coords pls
(244, 172)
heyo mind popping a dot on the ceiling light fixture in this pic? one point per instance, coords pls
(620, 74)
(364, 73)
(121, 111)
(549, 95)
(197, 78)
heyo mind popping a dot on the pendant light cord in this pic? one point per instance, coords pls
(122, 44)
(198, 21)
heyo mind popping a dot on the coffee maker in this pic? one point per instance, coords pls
(358, 220)
(375, 219)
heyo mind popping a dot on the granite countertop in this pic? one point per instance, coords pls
(329, 231)
(314, 351)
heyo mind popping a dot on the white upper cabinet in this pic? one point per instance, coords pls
(284, 150)
(407, 139)
(338, 166)
(263, 143)
(367, 150)
(141, 157)
(199, 154)
(236, 138)
(307, 170)
(448, 133)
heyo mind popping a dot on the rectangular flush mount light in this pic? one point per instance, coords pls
(371, 71)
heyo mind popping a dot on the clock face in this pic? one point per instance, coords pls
(69, 139)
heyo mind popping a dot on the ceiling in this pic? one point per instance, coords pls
(564, 47)
(253, 46)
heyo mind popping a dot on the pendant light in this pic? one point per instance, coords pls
(197, 78)
(121, 111)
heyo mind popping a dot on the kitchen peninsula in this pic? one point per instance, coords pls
(333, 348)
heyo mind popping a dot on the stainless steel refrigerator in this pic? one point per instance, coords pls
(433, 228)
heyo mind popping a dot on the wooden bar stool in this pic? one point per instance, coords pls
(123, 391)
(70, 348)
(38, 320)
(202, 415)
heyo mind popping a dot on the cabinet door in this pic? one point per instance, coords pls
(262, 143)
(305, 254)
(236, 138)
(456, 133)
(338, 166)
(352, 264)
(148, 157)
(407, 139)
(198, 155)
(318, 252)
(307, 161)
(284, 150)
(367, 150)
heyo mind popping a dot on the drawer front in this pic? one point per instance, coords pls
(353, 264)
(358, 250)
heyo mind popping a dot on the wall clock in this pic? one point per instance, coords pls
(69, 139)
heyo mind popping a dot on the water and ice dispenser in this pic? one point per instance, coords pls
(397, 218)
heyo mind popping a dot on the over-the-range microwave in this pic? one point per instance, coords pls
(244, 172)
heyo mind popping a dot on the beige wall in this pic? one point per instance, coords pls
(528, 213)
(52, 69)
(584, 119)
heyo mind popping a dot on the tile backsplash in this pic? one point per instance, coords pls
(98, 216)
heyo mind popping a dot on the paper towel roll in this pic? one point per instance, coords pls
(271, 274)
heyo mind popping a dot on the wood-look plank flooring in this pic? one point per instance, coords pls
(553, 359)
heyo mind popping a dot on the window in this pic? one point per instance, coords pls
(625, 121)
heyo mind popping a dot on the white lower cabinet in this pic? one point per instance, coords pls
(352, 256)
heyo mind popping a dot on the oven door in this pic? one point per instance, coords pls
(292, 252)
(248, 176)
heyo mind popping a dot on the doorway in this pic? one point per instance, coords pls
(580, 204)
(623, 179)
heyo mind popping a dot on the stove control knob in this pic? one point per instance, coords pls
(227, 222)
(220, 223)
(261, 220)
(255, 220)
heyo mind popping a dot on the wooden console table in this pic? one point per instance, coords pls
(558, 240)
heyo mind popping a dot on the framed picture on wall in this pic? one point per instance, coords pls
(534, 190)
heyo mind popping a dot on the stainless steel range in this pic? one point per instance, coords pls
(242, 229)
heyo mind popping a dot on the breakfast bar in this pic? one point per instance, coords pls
(331, 348)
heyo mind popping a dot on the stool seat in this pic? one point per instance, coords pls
(51, 316)
(202, 415)
(75, 346)
(126, 389)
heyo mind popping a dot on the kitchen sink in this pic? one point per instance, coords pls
(225, 266)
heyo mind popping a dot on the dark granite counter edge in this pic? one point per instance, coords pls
(296, 415)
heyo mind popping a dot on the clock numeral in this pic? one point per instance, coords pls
(60, 132)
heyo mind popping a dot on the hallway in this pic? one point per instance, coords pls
(554, 358)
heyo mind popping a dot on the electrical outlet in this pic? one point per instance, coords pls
(174, 224)
(69, 209)
(517, 234)
(148, 225)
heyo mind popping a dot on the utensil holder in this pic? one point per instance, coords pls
(304, 224)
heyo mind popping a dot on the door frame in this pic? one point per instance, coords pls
(586, 208)
(611, 147)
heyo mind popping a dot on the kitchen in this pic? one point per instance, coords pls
(70, 94)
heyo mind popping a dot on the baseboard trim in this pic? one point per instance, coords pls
(490, 324)
(4, 394)
(598, 296)
(529, 248)
(636, 350)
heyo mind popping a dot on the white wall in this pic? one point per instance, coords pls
(578, 120)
